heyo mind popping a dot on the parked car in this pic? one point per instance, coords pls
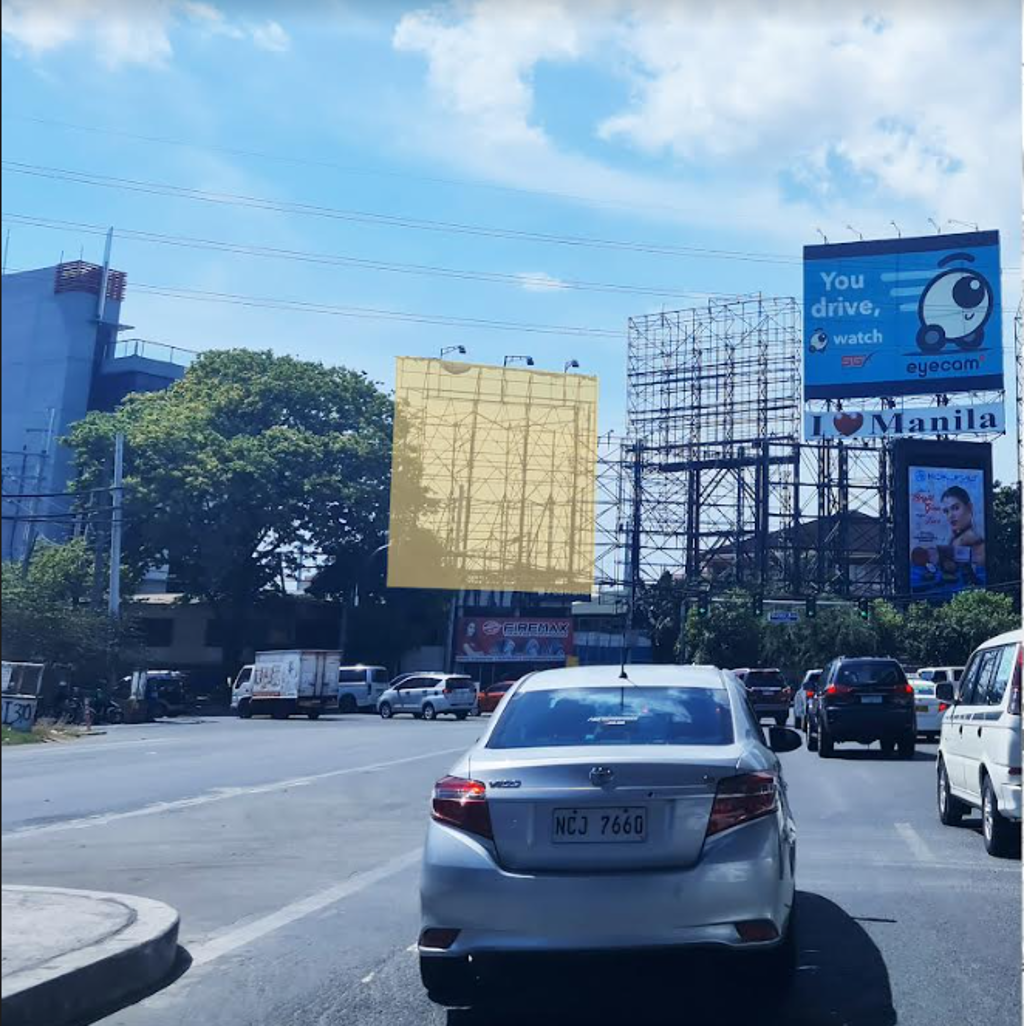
(929, 708)
(429, 695)
(562, 829)
(863, 700)
(491, 694)
(940, 674)
(768, 692)
(360, 687)
(979, 758)
(802, 698)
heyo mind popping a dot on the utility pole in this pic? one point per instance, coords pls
(116, 506)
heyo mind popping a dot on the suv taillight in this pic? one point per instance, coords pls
(838, 689)
(741, 799)
(462, 803)
(1013, 708)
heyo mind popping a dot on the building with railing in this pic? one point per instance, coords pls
(62, 357)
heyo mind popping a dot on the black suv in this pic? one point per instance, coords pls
(863, 700)
(768, 692)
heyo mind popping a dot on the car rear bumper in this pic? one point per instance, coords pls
(743, 874)
(864, 723)
(769, 708)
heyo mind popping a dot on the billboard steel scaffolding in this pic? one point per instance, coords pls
(713, 483)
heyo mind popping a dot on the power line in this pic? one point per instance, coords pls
(462, 183)
(382, 220)
(329, 259)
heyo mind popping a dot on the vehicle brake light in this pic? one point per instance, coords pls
(810, 694)
(943, 706)
(838, 689)
(752, 931)
(741, 799)
(462, 803)
(908, 689)
(1014, 707)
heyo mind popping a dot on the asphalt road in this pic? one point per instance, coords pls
(290, 850)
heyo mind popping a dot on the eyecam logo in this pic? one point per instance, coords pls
(951, 365)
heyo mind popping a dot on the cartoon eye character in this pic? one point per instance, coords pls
(954, 307)
(819, 340)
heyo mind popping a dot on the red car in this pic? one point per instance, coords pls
(490, 695)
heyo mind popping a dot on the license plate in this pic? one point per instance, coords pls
(870, 699)
(921, 708)
(611, 825)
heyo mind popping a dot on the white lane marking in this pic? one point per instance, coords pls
(219, 794)
(232, 940)
(915, 842)
(368, 978)
(84, 745)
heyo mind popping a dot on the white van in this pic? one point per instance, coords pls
(360, 686)
(979, 759)
(940, 674)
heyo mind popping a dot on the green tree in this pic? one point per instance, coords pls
(45, 619)
(729, 636)
(237, 471)
(1005, 533)
(660, 612)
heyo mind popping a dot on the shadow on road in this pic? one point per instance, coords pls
(877, 755)
(841, 979)
(181, 965)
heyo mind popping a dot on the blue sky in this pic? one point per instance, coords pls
(739, 127)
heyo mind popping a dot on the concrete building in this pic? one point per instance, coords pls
(62, 357)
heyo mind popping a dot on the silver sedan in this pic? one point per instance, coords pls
(599, 814)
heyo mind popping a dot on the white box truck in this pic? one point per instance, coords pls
(294, 681)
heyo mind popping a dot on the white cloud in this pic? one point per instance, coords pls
(539, 281)
(270, 36)
(124, 32)
(751, 114)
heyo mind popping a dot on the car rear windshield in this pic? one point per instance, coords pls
(458, 684)
(871, 673)
(630, 715)
(764, 679)
(925, 688)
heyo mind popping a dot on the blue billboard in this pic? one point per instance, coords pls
(896, 317)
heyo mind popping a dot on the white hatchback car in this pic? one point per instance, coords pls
(979, 759)
(929, 707)
(602, 814)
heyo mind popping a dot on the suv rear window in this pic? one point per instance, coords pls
(458, 683)
(632, 715)
(880, 673)
(764, 679)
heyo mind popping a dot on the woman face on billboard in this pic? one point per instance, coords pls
(958, 510)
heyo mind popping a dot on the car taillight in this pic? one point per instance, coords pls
(943, 706)
(741, 799)
(462, 803)
(1014, 707)
(810, 694)
(838, 689)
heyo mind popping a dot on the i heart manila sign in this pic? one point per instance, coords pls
(909, 422)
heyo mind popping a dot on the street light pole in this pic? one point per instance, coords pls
(116, 523)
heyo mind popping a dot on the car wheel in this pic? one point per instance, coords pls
(429, 712)
(461, 715)
(385, 711)
(907, 746)
(998, 832)
(781, 719)
(951, 809)
(826, 746)
(245, 709)
(449, 981)
(812, 738)
(348, 704)
(313, 714)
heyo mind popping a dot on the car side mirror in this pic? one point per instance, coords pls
(945, 692)
(783, 739)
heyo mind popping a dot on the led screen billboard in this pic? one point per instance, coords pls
(943, 515)
(895, 317)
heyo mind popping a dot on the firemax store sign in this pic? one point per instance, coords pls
(983, 419)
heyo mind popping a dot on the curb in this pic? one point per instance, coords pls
(79, 984)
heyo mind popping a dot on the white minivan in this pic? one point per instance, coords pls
(360, 687)
(979, 758)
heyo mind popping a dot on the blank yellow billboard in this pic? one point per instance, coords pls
(493, 478)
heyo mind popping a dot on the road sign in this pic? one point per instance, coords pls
(783, 616)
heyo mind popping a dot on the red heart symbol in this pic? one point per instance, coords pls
(848, 423)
